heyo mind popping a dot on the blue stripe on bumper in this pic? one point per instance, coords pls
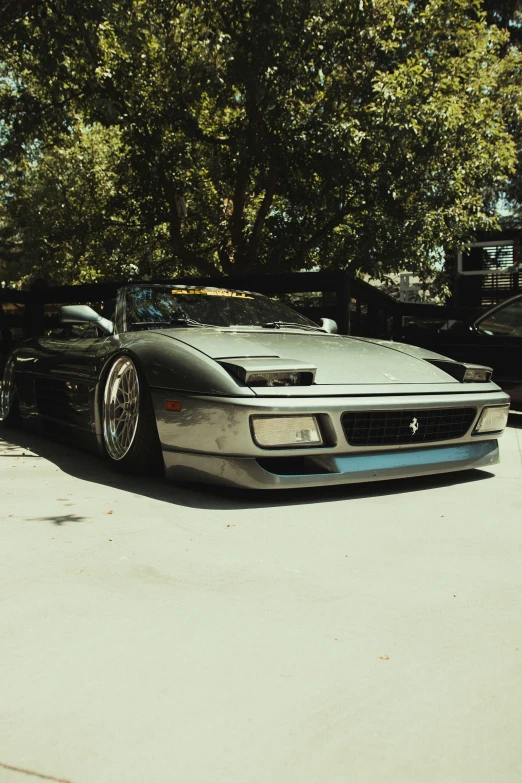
(419, 459)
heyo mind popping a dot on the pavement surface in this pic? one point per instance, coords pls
(153, 633)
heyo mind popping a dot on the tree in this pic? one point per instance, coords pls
(299, 134)
(14, 9)
(507, 15)
(67, 215)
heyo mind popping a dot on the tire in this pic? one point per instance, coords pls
(130, 433)
(9, 407)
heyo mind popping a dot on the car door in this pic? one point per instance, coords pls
(64, 392)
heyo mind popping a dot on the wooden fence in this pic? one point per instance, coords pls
(358, 307)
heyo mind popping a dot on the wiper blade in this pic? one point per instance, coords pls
(279, 324)
(150, 323)
(186, 322)
(173, 322)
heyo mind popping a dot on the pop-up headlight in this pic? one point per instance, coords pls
(477, 375)
(273, 379)
(462, 371)
(270, 371)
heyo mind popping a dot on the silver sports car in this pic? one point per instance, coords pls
(234, 388)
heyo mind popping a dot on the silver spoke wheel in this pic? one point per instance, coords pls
(7, 392)
(121, 408)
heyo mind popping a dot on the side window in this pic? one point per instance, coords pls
(506, 321)
(72, 331)
(84, 330)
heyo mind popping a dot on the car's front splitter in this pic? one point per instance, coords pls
(276, 472)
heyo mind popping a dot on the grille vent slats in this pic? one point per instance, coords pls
(51, 398)
(389, 428)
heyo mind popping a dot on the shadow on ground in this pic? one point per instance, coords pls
(515, 420)
(89, 467)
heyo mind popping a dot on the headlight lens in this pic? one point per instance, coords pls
(477, 375)
(273, 378)
(279, 431)
(492, 419)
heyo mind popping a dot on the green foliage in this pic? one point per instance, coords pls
(300, 134)
(63, 213)
(507, 15)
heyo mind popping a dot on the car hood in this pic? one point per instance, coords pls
(339, 360)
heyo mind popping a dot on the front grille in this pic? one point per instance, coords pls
(389, 428)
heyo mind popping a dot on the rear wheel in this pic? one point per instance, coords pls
(9, 409)
(130, 434)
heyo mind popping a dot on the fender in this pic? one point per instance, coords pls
(166, 364)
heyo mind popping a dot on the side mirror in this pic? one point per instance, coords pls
(329, 325)
(83, 314)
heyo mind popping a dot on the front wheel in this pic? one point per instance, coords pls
(130, 434)
(9, 410)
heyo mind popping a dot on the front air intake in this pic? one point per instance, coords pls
(414, 425)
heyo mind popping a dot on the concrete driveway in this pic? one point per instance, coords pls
(158, 634)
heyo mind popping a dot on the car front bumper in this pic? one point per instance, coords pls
(209, 439)
(252, 473)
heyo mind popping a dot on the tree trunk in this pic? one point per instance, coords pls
(188, 257)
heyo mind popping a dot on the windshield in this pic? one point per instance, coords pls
(158, 306)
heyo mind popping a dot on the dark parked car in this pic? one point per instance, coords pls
(493, 339)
